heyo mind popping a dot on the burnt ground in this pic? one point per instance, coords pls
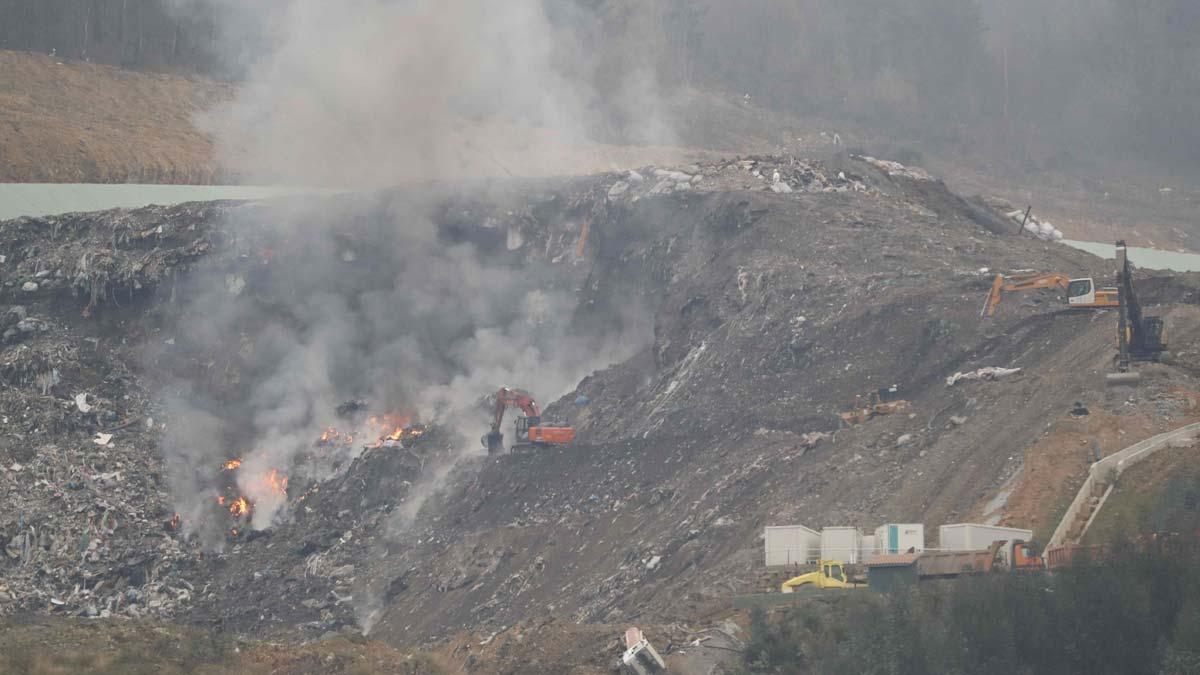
(770, 312)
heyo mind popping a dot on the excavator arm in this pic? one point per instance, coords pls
(509, 398)
(530, 430)
(1021, 282)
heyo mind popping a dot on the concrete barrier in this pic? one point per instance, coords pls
(1113, 465)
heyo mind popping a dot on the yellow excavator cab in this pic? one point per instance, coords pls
(831, 575)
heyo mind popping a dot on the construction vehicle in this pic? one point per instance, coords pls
(1139, 337)
(529, 428)
(879, 402)
(1081, 293)
(1001, 556)
(832, 574)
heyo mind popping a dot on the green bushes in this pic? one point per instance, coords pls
(1136, 612)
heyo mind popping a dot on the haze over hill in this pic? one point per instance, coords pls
(669, 221)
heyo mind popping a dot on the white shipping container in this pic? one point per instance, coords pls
(972, 537)
(791, 545)
(900, 537)
(841, 543)
(867, 548)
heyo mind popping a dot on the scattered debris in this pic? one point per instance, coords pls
(989, 374)
(1032, 226)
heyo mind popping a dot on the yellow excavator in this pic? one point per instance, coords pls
(1081, 293)
(874, 404)
(831, 575)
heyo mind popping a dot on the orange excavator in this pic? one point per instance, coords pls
(1081, 293)
(530, 430)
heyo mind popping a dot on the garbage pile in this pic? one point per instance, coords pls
(1035, 228)
(86, 527)
(783, 175)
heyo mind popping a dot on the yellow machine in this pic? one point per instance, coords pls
(876, 403)
(1081, 293)
(831, 575)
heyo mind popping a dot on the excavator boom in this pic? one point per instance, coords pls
(1081, 293)
(530, 430)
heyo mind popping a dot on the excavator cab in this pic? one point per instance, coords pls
(524, 424)
(1081, 292)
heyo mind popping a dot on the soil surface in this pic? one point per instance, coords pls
(75, 122)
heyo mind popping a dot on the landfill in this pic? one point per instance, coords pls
(778, 289)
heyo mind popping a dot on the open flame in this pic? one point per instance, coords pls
(332, 436)
(240, 507)
(232, 464)
(278, 483)
(392, 427)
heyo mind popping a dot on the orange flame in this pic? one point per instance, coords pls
(332, 435)
(240, 507)
(232, 464)
(278, 483)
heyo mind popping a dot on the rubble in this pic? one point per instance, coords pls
(1034, 227)
(989, 374)
(769, 310)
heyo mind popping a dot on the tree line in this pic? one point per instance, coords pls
(143, 34)
(1135, 612)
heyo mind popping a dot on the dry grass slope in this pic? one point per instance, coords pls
(67, 122)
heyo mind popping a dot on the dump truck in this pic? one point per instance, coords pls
(1001, 556)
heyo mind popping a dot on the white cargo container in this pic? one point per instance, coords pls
(841, 543)
(971, 537)
(867, 548)
(899, 538)
(791, 545)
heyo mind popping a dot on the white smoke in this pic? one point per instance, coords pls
(369, 93)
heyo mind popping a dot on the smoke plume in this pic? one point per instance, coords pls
(357, 295)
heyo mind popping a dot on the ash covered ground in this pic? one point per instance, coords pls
(700, 326)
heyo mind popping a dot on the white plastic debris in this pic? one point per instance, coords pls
(102, 438)
(619, 188)
(781, 188)
(29, 286)
(82, 404)
(989, 374)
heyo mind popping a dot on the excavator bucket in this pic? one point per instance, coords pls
(493, 442)
(1129, 379)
